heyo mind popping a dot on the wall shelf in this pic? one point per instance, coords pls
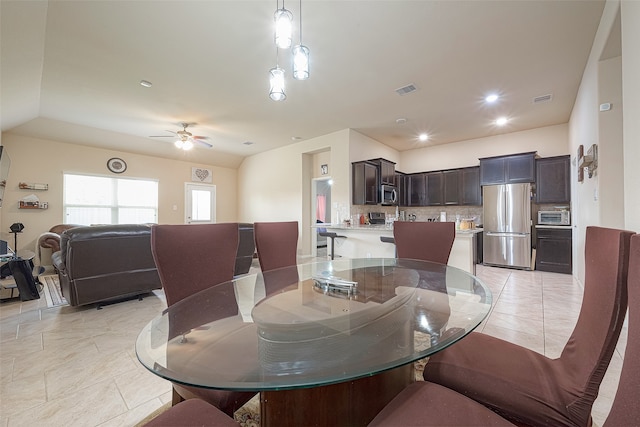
(33, 205)
(33, 186)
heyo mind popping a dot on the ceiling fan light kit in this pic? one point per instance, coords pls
(186, 140)
(282, 36)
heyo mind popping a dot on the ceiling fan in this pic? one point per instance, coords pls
(186, 140)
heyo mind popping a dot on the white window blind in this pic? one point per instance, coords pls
(104, 200)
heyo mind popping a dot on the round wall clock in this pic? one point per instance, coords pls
(116, 165)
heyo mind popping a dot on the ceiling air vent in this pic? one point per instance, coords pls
(542, 98)
(406, 89)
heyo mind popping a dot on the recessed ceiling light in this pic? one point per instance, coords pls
(145, 83)
(502, 121)
(401, 121)
(248, 143)
(491, 98)
(296, 138)
(423, 137)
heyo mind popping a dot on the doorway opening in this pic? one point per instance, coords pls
(321, 213)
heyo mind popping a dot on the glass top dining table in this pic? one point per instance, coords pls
(313, 324)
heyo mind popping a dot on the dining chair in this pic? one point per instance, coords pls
(276, 244)
(427, 241)
(191, 258)
(625, 410)
(429, 404)
(525, 386)
(277, 247)
(192, 412)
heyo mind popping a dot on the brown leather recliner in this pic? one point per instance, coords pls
(105, 262)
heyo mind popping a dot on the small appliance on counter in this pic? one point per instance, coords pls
(377, 218)
(554, 218)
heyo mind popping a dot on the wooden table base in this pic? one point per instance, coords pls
(352, 403)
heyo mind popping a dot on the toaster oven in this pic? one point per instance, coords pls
(554, 217)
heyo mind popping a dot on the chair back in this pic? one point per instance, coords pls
(587, 354)
(625, 410)
(193, 257)
(276, 244)
(427, 241)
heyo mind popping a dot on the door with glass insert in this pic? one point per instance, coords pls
(200, 204)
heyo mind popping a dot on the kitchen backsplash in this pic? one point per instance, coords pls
(425, 213)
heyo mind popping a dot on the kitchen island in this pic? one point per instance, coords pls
(363, 241)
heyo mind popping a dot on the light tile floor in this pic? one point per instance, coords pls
(69, 366)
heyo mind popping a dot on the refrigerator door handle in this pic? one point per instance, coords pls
(490, 233)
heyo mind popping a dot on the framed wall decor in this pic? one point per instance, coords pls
(116, 165)
(201, 175)
(324, 169)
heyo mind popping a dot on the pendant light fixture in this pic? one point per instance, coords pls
(300, 56)
(284, 26)
(276, 82)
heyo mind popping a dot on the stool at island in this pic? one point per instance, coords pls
(387, 239)
(332, 236)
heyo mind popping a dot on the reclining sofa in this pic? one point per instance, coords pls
(99, 263)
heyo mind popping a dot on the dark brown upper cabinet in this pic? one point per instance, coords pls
(452, 186)
(402, 184)
(387, 171)
(512, 169)
(435, 187)
(470, 189)
(553, 180)
(417, 194)
(365, 183)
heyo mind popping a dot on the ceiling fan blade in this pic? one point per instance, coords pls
(204, 144)
(161, 136)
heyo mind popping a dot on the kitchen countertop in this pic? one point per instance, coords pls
(381, 227)
(558, 227)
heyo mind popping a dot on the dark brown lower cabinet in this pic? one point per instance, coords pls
(553, 250)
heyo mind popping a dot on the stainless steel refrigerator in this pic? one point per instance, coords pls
(507, 225)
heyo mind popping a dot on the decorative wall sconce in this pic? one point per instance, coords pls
(588, 162)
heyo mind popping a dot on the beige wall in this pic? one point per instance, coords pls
(631, 128)
(596, 200)
(276, 185)
(610, 144)
(547, 141)
(43, 161)
(362, 147)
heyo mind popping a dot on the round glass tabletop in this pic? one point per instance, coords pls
(313, 324)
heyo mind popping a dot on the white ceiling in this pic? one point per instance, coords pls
(71, 71)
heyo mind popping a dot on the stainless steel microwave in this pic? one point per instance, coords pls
(388, 195)
(554, 217)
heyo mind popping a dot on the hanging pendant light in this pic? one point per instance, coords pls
(276, 82)
(300, 56)
(284, 26)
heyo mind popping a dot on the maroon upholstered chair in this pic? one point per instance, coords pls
(529, 388)
(277, 246)
(625, 410)
(276, 243)
(191, 258)
(192, 412)
(427, 241)
(428, 404)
